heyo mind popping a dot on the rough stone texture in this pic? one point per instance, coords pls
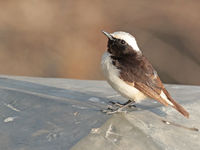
(49, 114)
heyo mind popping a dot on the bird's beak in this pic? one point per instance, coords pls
(109, 36)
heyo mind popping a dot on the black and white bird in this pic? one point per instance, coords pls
(129, 72)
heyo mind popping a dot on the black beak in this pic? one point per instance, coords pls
(109, 36)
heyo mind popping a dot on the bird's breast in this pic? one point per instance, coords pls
(112, 75)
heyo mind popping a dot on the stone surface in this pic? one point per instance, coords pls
(61, 114)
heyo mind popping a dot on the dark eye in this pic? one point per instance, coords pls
(123, 42)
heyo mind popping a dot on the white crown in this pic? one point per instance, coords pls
(128, 38)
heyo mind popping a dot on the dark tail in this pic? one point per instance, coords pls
(176, 105)
(180, 108)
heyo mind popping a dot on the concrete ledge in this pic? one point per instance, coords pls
(59, 114)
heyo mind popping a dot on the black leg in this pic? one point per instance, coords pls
(121, 104)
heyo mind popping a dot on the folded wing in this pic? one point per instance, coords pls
(140, 72)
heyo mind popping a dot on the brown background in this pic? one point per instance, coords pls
(62, 38)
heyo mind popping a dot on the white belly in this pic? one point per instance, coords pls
(111, 74)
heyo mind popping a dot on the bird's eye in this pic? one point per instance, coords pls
(123, 42)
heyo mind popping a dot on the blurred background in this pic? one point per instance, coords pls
(63, 39)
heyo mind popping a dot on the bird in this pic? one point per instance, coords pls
(131, 74)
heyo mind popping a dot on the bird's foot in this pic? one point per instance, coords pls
(118, 104)
(111, 110)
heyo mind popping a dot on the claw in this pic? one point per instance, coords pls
(119, 110)
(111, 110)
(118, 104)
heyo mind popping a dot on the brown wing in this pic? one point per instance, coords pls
(150, 92)
(146, 80)
(144, 76)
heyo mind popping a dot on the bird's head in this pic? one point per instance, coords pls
(120, 43)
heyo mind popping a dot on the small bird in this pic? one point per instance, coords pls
(129, 72)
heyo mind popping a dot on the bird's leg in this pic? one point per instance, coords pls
(120, 109)
(121, 104)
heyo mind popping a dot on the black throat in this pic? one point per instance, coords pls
(123, 54)
(128, 61)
